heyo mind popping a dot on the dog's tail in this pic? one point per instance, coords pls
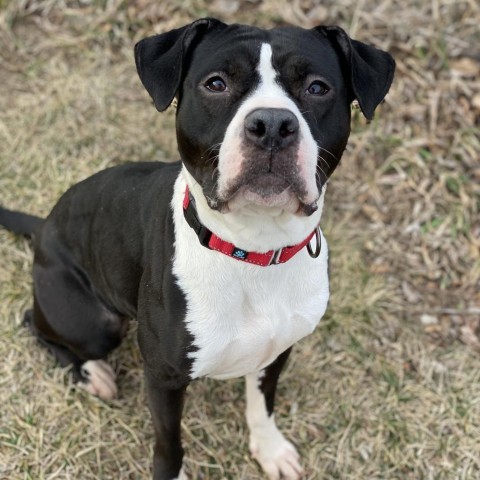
(20, 223)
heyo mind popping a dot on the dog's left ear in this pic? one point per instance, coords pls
(371, 69)
(160, 59)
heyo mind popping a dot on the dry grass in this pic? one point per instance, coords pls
(388, 386)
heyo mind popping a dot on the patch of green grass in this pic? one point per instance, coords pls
(431, 225)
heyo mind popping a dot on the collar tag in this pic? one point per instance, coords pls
(239, 254)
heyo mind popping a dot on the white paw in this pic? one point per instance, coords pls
(100, 379)
(277, 456)
(181, 475)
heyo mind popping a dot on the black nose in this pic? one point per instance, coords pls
(271, 128)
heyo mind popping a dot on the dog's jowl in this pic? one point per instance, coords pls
(219, 256)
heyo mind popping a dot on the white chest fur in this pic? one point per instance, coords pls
(243, 316)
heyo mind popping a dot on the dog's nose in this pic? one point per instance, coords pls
(271, 128)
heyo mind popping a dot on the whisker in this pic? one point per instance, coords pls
(319, 169)
(319, 157)
(214, 171)
(210, 149)
(326, 151)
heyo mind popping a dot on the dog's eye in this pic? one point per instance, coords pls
(216, 84)
(317, 88)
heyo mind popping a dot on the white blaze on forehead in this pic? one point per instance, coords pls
(265, 65)
(269, 92)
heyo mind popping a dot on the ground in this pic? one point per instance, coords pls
(388, 386)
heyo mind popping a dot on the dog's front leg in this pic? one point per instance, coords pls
(166, 406)
(275, 454)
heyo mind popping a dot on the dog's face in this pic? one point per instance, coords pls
(261, 134)
(263, 116)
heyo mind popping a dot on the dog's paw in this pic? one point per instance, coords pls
(278, 458)
(181, 475)
(98, 379)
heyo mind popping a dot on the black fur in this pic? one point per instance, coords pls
(20, 223)
(105, 252)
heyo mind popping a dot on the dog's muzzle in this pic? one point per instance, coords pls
(270, 165)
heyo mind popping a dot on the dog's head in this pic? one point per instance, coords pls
(263, 116)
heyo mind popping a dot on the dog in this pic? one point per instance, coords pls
(218, 256)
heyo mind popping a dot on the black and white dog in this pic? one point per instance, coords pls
(219, 256)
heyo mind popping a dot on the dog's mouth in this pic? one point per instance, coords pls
(266, 191)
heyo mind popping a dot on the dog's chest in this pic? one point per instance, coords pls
(242, 316)
(241, 324)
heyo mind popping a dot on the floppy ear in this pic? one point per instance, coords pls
(160, 59)
(371, 69)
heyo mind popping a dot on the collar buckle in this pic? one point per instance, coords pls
(275, 258)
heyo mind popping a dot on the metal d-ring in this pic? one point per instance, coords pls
(318, 240)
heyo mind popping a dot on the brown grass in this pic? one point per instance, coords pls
(388, 386)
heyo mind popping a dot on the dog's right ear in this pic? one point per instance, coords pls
(160, 59)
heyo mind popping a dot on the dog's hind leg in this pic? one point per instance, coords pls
(275, 454)
(95, 376)
(70, 319)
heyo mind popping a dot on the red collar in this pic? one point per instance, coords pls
(212, 242)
